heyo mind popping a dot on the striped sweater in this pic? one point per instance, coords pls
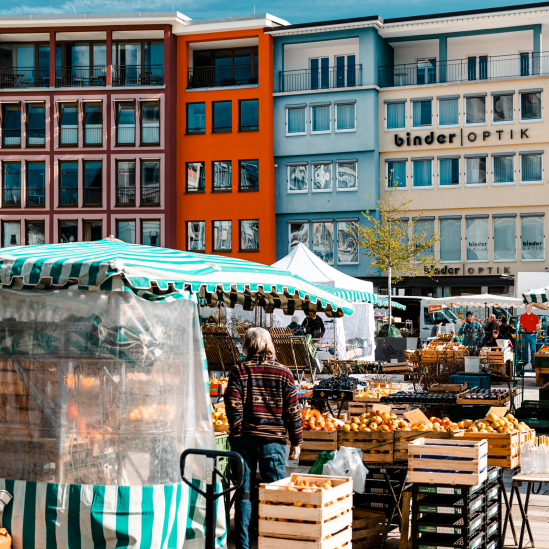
(261, 400)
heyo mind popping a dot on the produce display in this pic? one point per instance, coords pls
(374, 421)
(341, 382)
(493, 424)
(375, 393)
(484, 394)
(313, 420)
(219, 415)
(154, 412)
(412, 397)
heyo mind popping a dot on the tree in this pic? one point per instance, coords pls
(390, 245)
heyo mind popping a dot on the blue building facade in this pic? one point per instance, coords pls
(326, 144)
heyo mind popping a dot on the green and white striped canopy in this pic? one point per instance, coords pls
(349, 295)
(384, 303)
(536, 296)
(162, 274)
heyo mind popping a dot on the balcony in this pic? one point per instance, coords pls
(68, 196)
(93, 196)
(218, 77)
(36, 197)
(125, 196)
(464, 70)
(138, 75)
(324, 78)
(150, 195)
(11, 198)
(20, 78)
(78, 77)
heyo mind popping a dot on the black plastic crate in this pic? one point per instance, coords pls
(436, 541)
(493, 511)
(493, 493)
(377, 487)
(493, 529)
(376, 473)
(495, 474)
(374, 502)
(447, 490)
(451, 525)
(450, 505)
(494, 543)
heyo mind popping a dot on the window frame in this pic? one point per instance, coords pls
(143, 66)
(288, 168)
(187, 131)
(116, 122)
(225, 130)
(143, 103)
(59, 187)
(404, 102)
(314, 106)
(122, 219)
(488, 238)
(92, 145)
(59, 221)
(247, 128)
(325, 222)
(116, 187)
(472, 157)
(440, 221)
(396, 161)
(342, 189)
(473, 124)
(30, 104)
(3, 106)
(419, 187)
(240, 248)
(240, 188)
(494, 217)
(141, 186)
(325, 163)
(421, 126)
(336, 105)
(84, 221)
(3, 163)
(439, 125)
(214, 249)
(291, 108)
(336, 229)
(505, 183)
(59, 127)
(36, 67)
(3, 222)
(27, 221)
(145, 220)
(531, 153)
(526, 92)
(521, 217)
(84, 162)
(228, 189)
(27, 164)
(439, 160)
(187, 236)
(295, 222)
(493, 97)
(194, 191)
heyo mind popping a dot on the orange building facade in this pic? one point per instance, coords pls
(224, 155)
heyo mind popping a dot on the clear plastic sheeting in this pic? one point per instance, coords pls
(100, 388)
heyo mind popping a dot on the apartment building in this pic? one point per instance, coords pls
(87, 129)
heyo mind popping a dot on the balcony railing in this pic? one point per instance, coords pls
(93, 135)
(36, 137)
(125, 135)
(464, 70)
(36, 197)
(24, 77)
(150, 135)
(93, 196)
(68, 196)
(11, 138)
(150, 195)
(78, 77)
(217, 77)
(11, 198)
(138, 75)
(324, 78)
(69, 136)
(125, 196)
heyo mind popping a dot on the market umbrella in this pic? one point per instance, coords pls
(163, 274)
(350, 295)
(383, 302)
(538, 296)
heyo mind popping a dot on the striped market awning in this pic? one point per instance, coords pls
(536, 296)
(163, 274)
(384, 303)
(350, 295)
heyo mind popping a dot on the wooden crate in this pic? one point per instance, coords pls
(429, 355)
(412, 355)
(341, 539)
(221, 428)
(470, 469)
(448, 387)
(499, 401)
(403, 438)
(503, 448)
(376, 447)
(496, 355)
(316, 442)
(368, 528)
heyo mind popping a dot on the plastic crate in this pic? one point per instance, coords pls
(222, 443)
(482, 382)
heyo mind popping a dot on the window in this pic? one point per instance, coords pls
(249, 235)
(25, 65)
(11, 185)
(11, 125)
(68, 124)
(448, 172)
(395, 115)
(422, 173)
(249, 175)
(93, 182)
(125, 122)
(93, 230)
(298, 234)
(396, 174)
(503, 107)
(195, 177)
(11, 234)
(347, 242)
(476, 238)
(150, 123)
(425, 227)
(224, 67)
(150, 182)
(531, 107)
(345, 117)
(448, 112)
(422, 113)
(298, 179)
(222, 236)
(505, 238)
(450, 243)
(345, 71)
(68, 183)
(196, 117)
(323, 240)
(322, 176)
(248, 115)
(93, 123)
(524, 63)
(125, 230)
(320, 119)
(475, 170)
(346, 173)
(475, 110)
(426, 71)
(196, 236)
(150, 232)
(36, 124)
(67, 231)
(482, 67)
(531, 167)
(221, 172)
(222, 116)
(36, 184)
(532, 231)
(295, 121)
(504, 169)
(138, 63)
(320, 73)
(81, 64)
(35, 231)
(125, 182)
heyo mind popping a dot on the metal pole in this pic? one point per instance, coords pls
(210, 503)
(389, 294)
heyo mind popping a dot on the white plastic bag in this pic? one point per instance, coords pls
(347, 462)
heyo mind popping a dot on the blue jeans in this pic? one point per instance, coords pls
(272, 466)
(531, 345)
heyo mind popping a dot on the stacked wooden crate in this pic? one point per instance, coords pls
(377, 447)
(316, 442)
(503, 448)
(403, 439)
(368, 528)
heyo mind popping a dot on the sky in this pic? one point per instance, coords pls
(295, 12)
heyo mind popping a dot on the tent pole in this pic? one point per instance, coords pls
(389, 295)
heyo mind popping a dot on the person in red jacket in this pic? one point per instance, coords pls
(530, 322)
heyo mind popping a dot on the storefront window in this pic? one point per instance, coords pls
(196, 241)
(532, 237)
(530, 105)
(422, 113)
(346, 176)
(222, 236)
(476, 237)
(323, 240)
(297, 178)
(504, 169)
(396, 174)
(426, 227)
(322, 177)
(396, 116)
(505, 238)
(448, 112)
(503, 108)
(475, 171)
(347, 242)
(423, 173)
(475, 110)
(299, 234)
(531, 168)
(249, 234)
(449, 172)
(450, 245)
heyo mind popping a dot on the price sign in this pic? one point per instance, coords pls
(500, 411)
(445, 490)
(416, 416)
(433, 308)
(444, 530)
(446, 510)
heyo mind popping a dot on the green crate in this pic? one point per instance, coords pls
(538, 422)
(460, 412)
(535, 404)
(222, 443)
(541, 361)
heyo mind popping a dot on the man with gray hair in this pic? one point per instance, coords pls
(261, 404)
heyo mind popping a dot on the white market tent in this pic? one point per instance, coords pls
(478, 300)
